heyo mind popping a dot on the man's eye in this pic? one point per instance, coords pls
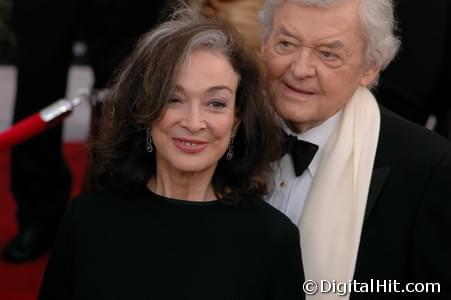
(330, 59)
(283, 46)
(328, 55)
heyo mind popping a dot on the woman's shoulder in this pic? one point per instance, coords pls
(278, 223)
(90, 209)
(94, 198)
(100, 201)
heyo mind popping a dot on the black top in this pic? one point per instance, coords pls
(145, 246)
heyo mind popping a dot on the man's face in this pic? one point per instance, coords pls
(315, 60)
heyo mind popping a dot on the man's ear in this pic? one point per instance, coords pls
(370, 75)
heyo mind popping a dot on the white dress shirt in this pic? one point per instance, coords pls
(290, 192)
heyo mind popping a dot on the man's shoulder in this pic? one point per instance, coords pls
(402, 137)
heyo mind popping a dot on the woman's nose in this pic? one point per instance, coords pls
(193, 119)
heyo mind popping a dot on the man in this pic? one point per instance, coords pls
(375, 201)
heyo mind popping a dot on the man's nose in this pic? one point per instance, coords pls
(303, 64)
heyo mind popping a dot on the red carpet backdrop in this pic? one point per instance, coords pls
(21, 281)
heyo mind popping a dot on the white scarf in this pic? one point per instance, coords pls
(332, 218)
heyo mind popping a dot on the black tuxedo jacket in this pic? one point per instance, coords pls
(406, 234)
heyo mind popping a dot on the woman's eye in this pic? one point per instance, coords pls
(174, 99)
(217, 104)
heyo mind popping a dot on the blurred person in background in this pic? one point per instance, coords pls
(242, 14)
(45, 32)
(443, 107)
(7, 39)
(415, 85)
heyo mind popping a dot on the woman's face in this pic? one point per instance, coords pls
(195, 129)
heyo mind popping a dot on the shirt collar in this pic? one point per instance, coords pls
(318, 135)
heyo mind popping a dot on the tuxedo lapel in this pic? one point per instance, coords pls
(378, 179)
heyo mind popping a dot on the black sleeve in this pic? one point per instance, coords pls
(57, 282)
(431, 242)
(287, 273)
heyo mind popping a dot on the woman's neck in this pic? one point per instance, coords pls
(194, 186)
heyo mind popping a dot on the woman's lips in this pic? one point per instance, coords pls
(190, 145)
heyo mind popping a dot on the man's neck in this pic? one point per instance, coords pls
(318, 135)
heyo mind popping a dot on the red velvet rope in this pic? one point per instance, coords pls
(25, 129)
(48, 117)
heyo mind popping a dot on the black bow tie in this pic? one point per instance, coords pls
(301, 152)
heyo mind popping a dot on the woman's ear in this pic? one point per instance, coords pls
(236, 125)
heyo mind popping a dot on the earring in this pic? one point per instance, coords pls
(149, 146)
(229, 154)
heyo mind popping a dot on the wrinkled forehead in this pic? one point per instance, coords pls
(272, 7)
(318, 3)
(322, 21)
(338, 28)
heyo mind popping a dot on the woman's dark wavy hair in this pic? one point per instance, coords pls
(140, 92)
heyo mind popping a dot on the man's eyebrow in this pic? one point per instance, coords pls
(336, 44)
(284, 31)
(333, 44)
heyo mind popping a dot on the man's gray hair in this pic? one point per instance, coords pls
(378, 25)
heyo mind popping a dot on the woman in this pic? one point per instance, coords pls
(181, 162)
